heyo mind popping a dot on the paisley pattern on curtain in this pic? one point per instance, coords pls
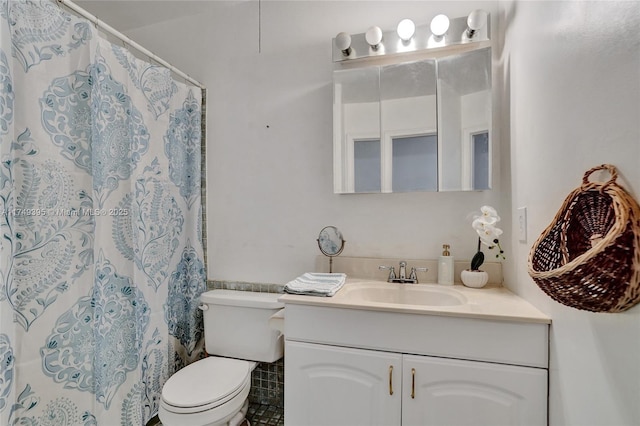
(101, 259)
(155, 83)
(40, 32)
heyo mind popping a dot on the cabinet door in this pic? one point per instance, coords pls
(440, 391)
(328, 385)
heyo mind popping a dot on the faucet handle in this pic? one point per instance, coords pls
(414, 275)
(392, 272)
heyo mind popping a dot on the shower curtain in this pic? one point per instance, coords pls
(101, 259)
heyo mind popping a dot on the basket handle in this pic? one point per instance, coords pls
(608, 167)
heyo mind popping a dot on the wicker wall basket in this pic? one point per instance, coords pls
(589, 256)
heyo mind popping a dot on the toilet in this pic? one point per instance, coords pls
(214, 391)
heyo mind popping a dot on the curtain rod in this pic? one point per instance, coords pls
(108, 28)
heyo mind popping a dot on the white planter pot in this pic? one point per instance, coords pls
(474, 279)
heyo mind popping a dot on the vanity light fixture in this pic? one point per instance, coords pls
(406, 29)
(409, 37)
(343, 42)
(476, 21)
(439, 25)
(374, 37)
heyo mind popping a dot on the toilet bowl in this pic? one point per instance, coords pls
(214, 391)
(208, 392)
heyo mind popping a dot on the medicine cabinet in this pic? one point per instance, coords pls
(422, 125)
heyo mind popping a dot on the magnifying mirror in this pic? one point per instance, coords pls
(331, 243)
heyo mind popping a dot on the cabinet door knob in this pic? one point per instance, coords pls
(391, 380)
(413, 383)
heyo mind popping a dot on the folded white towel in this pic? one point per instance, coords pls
(316, 284)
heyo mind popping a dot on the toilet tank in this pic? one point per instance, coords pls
(236, 325)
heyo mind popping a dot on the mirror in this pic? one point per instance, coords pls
(331, 243)
(356, 117)
(464, 111)
(414, 126)
(409, 128)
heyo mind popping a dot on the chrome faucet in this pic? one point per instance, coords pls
(402, 274)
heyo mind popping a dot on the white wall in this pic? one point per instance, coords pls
(269, 149)
(572, 101)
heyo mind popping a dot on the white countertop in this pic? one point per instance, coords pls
(491, 303)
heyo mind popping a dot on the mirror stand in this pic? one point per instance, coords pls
(330, 243)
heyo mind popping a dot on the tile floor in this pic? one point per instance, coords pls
(265, 415)
(258, 415)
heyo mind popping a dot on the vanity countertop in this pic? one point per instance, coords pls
(490, 303)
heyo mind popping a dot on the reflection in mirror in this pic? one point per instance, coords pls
(464, 120)
(409, 128)
(366, 163)
(415, 163)
(356, 118)
(385, 129)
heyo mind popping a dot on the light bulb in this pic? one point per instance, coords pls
(439, 25)
(476, 20)
(373, 37)
(406, 29)
(343, 42)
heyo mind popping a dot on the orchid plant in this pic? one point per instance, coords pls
(488, 234)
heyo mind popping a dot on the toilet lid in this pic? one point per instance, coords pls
(206, 381)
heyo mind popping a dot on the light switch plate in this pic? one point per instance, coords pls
(522, 224)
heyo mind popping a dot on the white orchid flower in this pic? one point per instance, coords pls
(487, 215)
(488, 220)
(479, 223)
(488, 234)
(490, 214)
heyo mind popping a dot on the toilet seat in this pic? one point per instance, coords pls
(216, 416)
(206, 384)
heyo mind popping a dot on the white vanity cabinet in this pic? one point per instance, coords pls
(329, 385)
(440, 391)
(367, 367)
(326, 385)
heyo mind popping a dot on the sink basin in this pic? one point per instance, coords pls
(407, 294)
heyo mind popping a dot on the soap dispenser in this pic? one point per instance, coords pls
(445, 266)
